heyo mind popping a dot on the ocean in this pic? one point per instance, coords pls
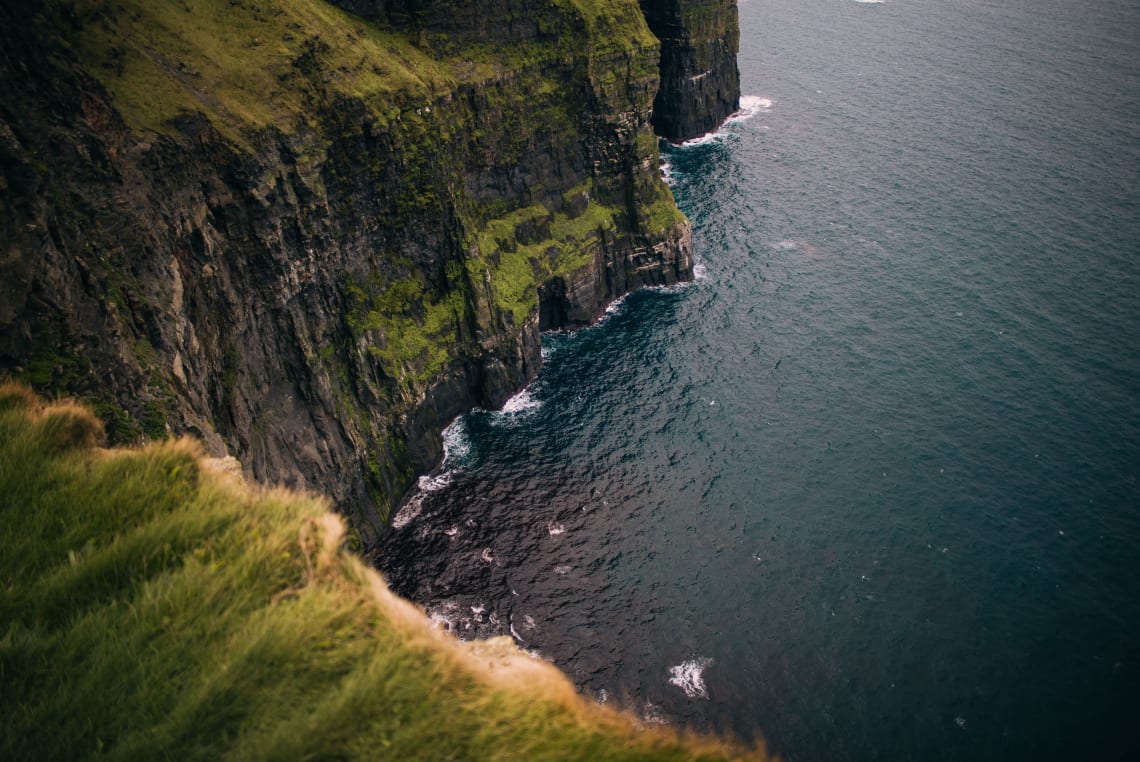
(867, 486)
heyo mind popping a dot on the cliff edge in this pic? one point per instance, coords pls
(153, 606)
(700, 80)
(311, 235)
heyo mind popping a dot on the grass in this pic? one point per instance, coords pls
(246, 63)
(517, 269)
(152, 606)
(249, 64)
(252, 66)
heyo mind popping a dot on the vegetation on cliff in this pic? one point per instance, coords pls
(152, 605)
(312, 238)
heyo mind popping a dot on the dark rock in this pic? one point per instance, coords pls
(700, 81)
(320, 299)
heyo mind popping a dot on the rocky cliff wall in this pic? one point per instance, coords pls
(310, 239)
(700, 81)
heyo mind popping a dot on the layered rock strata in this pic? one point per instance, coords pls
(312, 240)
(700, 81)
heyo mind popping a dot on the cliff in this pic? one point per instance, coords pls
(700, 81)
(154, 607)
(310, 236)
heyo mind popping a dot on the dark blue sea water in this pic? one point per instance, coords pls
(869, 484)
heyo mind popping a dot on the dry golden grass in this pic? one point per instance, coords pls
(153, 607)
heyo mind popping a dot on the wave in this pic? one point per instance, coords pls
(523, 402)
(456, 451)
(750, 106)
(689, 677)
(456, 445)
(415, 502)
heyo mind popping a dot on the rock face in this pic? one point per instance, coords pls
(700, 81)
(311, 239)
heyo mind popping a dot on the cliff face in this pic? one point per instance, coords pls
(700, 81)
(311, 239)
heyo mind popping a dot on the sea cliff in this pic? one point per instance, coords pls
(311, 235)
(700, 81)
(155, 606)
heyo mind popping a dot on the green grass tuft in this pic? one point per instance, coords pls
(154, 606)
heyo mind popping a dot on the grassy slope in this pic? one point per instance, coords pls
(246, 64)
(252, 63)
(153, 606)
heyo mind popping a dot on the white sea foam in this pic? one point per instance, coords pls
(689, 677)
(555, 528)
(447, 616)
(440, 620)
(562, 569)
(487, 556)
(700, 140)
(456, 443)
(523, 402)
(652, 714)
(415, 503)
(700, 272)
(614, 307)
(870, 2)
(750, 106)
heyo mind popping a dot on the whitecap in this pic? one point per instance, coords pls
(487, 556)
(562, 569)
(750, 106)
(523, 402)
(700, 272)
(613, 307)
(870, 2)
(415, 502)
(445, 616)
(555, 528)
(456, 444)
(689, 677)
(602, 696)
(440, 620)
(700, 140)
